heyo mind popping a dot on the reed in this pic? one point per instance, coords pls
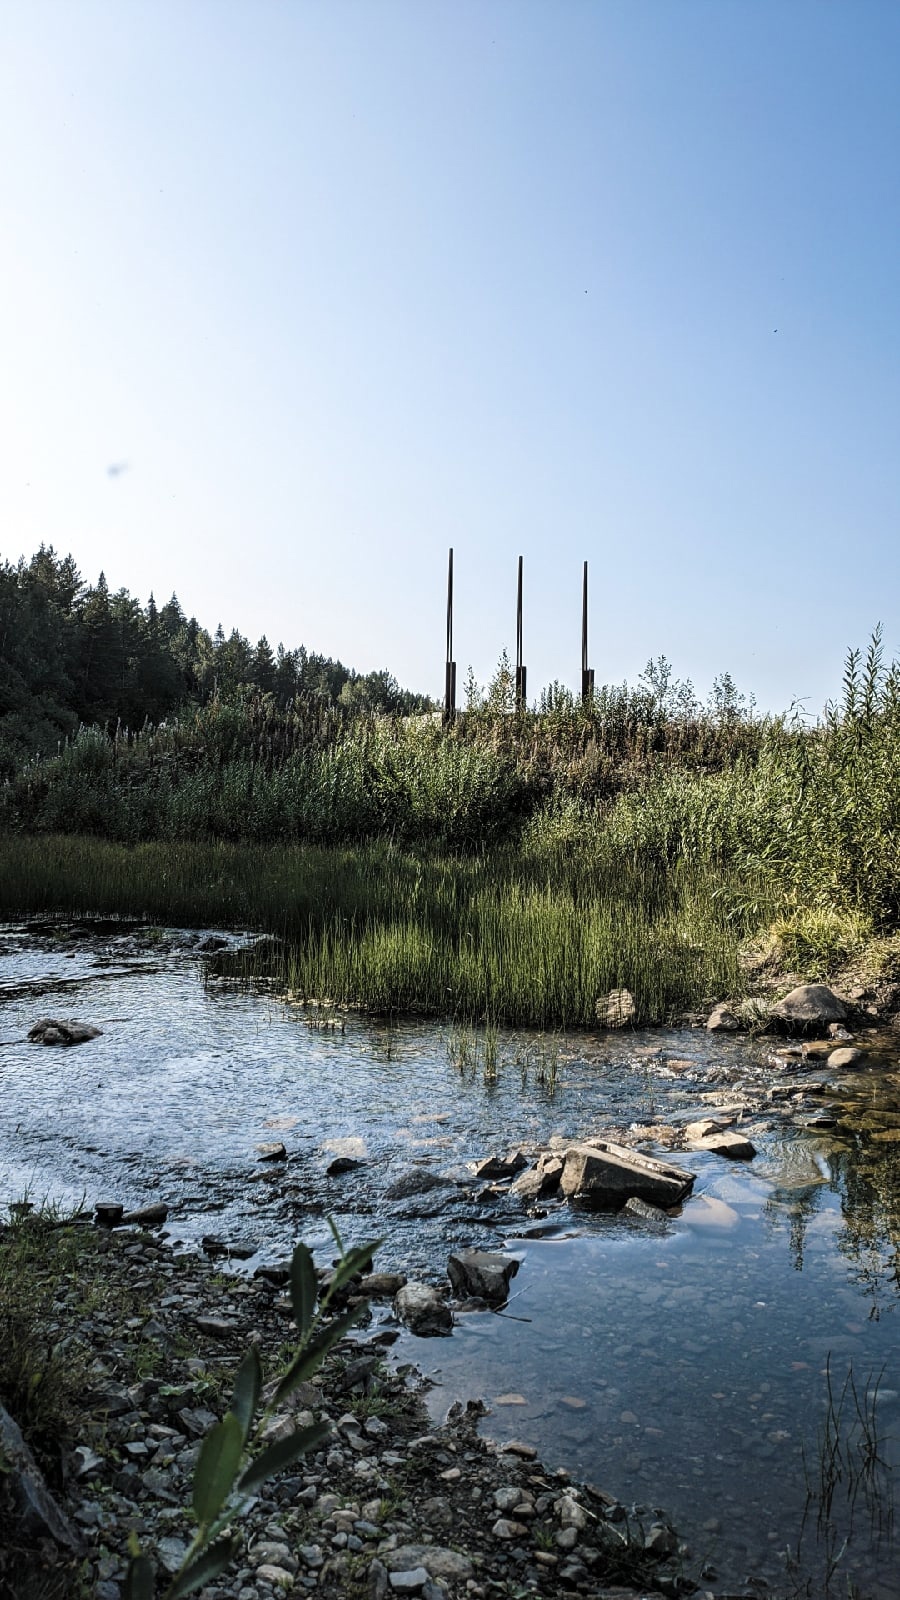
(499, 937)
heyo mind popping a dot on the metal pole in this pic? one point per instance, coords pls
(587, 674)
(450, 666)
(520, 669)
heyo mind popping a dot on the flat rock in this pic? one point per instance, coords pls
(728, 1142)
(423, 1310)
(606, 1175)
(810, 1005)
(382, 1284)
(483, 1273)
(541, 1179)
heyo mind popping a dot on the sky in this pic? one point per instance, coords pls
(297, 294)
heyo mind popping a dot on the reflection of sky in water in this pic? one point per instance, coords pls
(685, 1371)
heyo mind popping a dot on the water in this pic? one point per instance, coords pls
(688, 1371)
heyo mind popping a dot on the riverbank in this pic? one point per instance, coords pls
(120, 1354)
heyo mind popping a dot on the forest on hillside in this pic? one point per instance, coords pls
(74, 654)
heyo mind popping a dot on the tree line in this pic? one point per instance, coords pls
(75, 654)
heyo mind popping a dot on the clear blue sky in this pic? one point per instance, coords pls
(344, 284)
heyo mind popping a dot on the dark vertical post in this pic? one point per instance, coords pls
(521, 698)
(450, 668)
(587, 673)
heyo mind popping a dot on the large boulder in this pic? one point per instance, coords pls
(808, 1009)
(605, 1175)
(482, 1273)
(423, 1310)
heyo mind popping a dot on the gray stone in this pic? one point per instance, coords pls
(495, 1168)
(417, 1181)
(485, 1273)
(50, 1030)
(541, 1179)
(147, 1216)
(423, 1310)
(36, 1510)
(378, 1580)
(272, 1150)
(408, 1582)
(720, 1139)
(505, 1529)
(642, 1211)
(811, 1005)
(722, 1020)
(617, 1009)
(847, 1056)
(380, 1284)
(606, 1175)
(448, 1566)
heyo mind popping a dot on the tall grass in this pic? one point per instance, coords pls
(497, 936)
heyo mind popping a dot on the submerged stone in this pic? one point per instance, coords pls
(484, 1273)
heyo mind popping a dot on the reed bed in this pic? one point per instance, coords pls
(498, 937)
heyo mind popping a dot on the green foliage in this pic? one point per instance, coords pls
(234, 1463)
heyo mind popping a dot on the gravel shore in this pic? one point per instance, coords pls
(148, 1341)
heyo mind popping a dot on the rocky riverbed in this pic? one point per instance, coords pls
(151, 1339)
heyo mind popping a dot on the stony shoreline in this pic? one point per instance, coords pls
(389, 1506)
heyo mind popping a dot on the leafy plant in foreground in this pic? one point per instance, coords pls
(230, 1469)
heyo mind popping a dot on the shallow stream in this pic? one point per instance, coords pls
(688, 1370)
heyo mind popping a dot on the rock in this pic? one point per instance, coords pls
(485, 1273)
(707, 1134)
(107, 1214)
(342, 1164)
(539, 1180)
(505, 1529)
(722, 1020)
(417, 1181)
(651, 1216)
(147, 1216)
(448, 1566)
(496, 1168)
(728, 1143)
(382, 1285)
(214, 1327)
(35, 1509)
(423, 1310)
(810, 1006)
(212, 943)
(617, 1009)
(273, 1150)
(660, 1540)
(408, 1582)
(606, 1175)
(50, 1030)
(847, 1056)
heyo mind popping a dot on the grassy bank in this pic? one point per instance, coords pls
(515, 867)
(528, 937)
